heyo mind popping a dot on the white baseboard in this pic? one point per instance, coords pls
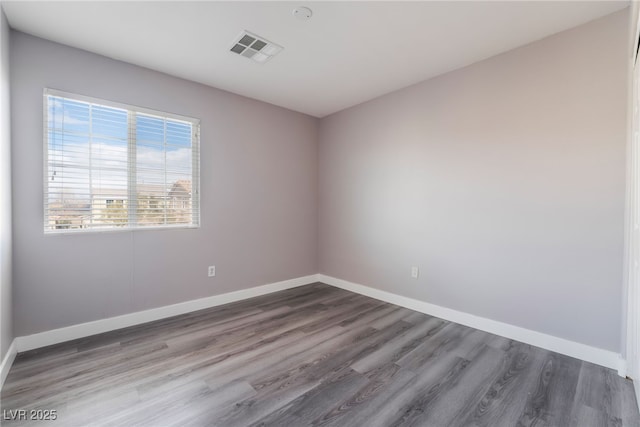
(585, 352)
(560, 345)
(636, 388)
(623, 367)
(82, 330)
(7, 361)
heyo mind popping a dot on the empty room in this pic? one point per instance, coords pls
(324, 213)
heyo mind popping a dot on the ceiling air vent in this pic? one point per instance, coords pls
(255, 47)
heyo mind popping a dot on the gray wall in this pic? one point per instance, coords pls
(6, 321)
(503, 181)
(258, 197)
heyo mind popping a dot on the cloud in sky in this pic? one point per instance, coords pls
(88, 149)
(76, 168)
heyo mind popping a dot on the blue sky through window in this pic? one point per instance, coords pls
(88, 149)
(90, 166)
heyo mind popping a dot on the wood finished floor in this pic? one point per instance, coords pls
(312, 356)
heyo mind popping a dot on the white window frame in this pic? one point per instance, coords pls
(131, 164)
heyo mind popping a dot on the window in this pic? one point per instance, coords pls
(114, 166)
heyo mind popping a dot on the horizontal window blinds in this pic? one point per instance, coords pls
(112, 166)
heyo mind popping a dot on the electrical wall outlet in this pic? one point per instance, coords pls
(212, 270)
(415, 272)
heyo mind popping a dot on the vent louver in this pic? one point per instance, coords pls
(255, 47)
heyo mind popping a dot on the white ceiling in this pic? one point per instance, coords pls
(347, 53)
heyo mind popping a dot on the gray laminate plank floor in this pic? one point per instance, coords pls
(311, 356)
